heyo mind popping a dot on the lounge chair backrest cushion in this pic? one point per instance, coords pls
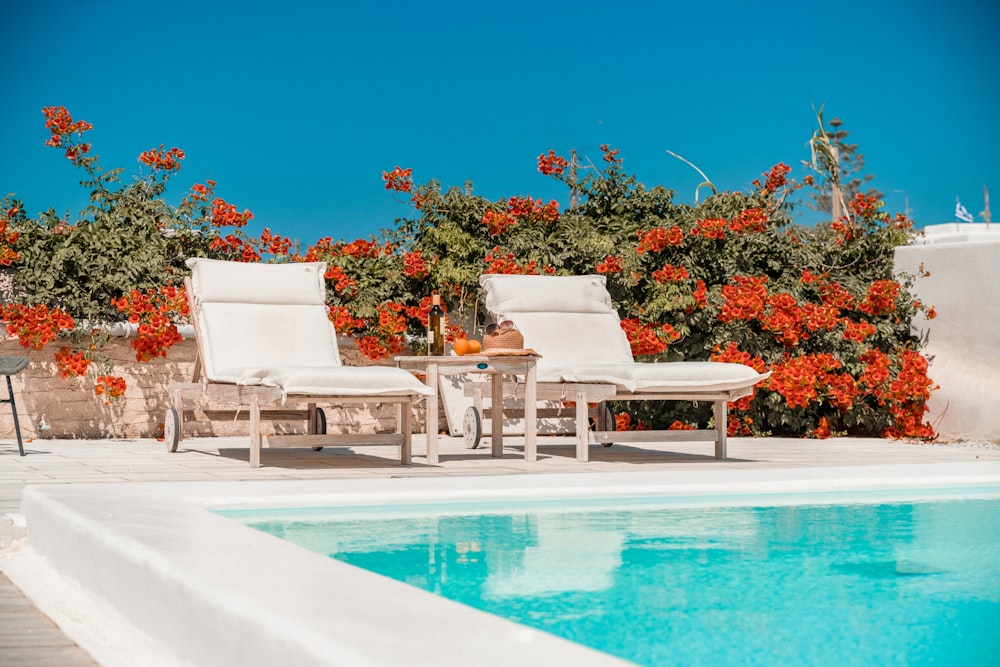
(261, 316)
(566, 319)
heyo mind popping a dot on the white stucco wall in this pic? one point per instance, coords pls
(964, 339)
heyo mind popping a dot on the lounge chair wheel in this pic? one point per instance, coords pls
(320, 426)
(171, 429)
(472, 428)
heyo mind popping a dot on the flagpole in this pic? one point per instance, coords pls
(961, 213)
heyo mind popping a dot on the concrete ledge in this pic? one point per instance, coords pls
(208, 590)
(211, 591)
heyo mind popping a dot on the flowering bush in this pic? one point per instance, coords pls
(123, 257)
(730, 279)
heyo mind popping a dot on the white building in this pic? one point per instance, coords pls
(963, 260)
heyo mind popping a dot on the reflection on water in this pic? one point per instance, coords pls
(859, 584)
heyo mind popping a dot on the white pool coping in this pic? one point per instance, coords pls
(205, 590)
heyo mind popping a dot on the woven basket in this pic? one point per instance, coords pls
(503, 340)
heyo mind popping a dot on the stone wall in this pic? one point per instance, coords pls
(963, 341)
(49, 406)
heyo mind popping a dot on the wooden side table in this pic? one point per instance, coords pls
(494, 365)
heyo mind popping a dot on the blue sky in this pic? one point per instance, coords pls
(295, 108)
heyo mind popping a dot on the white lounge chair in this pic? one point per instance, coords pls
(264, 339)
(586, 358)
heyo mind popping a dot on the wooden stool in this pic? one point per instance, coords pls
(12, 366)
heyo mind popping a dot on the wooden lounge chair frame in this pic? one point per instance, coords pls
(204, 399)
(719, 387)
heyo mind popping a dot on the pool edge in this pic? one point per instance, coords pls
(113, 539)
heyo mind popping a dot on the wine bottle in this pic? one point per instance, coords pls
(435, 327)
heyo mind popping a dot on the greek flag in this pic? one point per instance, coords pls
(961, 213)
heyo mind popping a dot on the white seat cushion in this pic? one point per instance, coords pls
(297, 283)
(331, 380)
(702, 375)
(268, 324)
(658, 377)
(508, 294)
(250, 335)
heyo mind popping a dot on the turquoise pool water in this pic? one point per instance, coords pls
(666, 581)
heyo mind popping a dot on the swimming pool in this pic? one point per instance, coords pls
(795, 579)
(212, 591)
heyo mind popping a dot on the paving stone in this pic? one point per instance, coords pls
(29, 637)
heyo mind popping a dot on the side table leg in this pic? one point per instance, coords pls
(496, 416)
(432, 414)
(530, 415)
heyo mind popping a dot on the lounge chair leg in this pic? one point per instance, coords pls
(311, 420)
(582, 429)
(721, 425)
(530, 415)
(406, 427)
(255, 435)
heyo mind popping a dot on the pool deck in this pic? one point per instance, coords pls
(28, 637)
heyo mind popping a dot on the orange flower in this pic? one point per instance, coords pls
(644, 338)
(110, 386)
(864, 206)
(800, 379)
(154, 311)
(35, 326)
(710, 228)
(498, 222)
(660, 238)
(820, 316)
(670, 274)
(551, 164)
(836, 296)
(274, 244)
(775, 178)
(361, 248)
(733, 355)
(414, 265)
(611, 264)
(749, 220)
(623, 422)
(858, 331)
(881, 298)
(783, 316)
(71, 364)
(398, 179)
(163, 160)
(507, 264)
(743, 299)
(226, 215)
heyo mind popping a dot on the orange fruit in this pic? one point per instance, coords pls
(474, 347)
(461, 346)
